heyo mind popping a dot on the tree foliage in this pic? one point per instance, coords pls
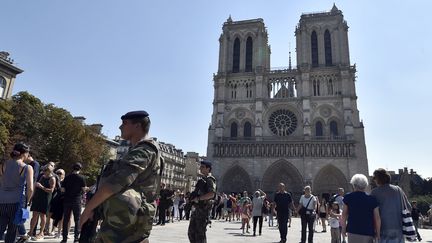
(6, 120)
(52, 133)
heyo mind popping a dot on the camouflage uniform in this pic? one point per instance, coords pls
(199, 218)
(127, 217)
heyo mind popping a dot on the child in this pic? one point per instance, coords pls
(245, 215)
(335, 216)
(271, 213)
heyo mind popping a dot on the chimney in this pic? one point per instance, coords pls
(400, 171)
(97, 127)
(81, 119)
(405, 170)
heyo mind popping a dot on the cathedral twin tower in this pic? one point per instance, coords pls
(297, 125)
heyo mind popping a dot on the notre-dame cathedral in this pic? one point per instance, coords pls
(298, 125)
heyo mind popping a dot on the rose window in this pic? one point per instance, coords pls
(283, 122)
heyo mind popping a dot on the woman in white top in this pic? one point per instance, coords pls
(257, 204)
(309, 202)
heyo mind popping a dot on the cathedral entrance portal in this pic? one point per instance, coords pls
(236, 179)
(285, 172)
(328, 180)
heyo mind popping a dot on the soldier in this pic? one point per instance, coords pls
(205, 191)
(120, 199)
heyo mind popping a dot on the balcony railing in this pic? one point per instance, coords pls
(294, 149)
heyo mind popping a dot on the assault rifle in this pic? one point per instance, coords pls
(88, 230)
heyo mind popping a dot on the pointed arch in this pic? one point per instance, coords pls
(328, 180)
(334, 131)
(249, 57)
(247, 130)
(314, 49)
(285, 172)
(319, 131)
(234, 130)
(327, 48)
(236, 56)
(236, 179)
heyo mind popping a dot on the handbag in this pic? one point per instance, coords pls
(22, 213)
(408, 229)
(303, 210)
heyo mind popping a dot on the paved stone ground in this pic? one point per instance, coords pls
(228, 232)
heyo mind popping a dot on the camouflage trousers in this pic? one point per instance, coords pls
(125, 218)
(198, 225)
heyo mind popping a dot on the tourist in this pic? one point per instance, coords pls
(41, 201)
(389, 199)
(360, 215)
(56, 207)
(73, 186)
(181, 205)
(283, 201)
(245, 215)
(307, 210)
(257, 205)
(272, 213)
(334, 219)
(14, 174)
(415, 214)
(322, 212)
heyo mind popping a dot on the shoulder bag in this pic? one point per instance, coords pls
(22, 213)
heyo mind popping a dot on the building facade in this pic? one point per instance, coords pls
(300, 125)
(8, 72)
(174, 171)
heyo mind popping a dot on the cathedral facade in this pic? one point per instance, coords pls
(298, 125)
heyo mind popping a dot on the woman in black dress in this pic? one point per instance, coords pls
(41, 200)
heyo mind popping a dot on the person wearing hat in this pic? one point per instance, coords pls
(126, 183)
(205, 191)
(74, 185)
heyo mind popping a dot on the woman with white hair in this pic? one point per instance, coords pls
(360, 216)
(257, 204)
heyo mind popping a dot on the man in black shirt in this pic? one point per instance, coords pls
(415, 214)
(283, 202)
(164, 203)
(73, 186)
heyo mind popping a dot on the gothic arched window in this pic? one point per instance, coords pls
(319, 129)
(334, 128)
(236, 56)
(234, 130)
(327, 48)
(247, 132)
(249, 50)
(2, 87)
(316, 88)
(314, 49)
(330, 87)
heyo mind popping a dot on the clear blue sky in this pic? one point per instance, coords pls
(102, 58)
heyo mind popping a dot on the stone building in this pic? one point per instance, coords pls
(193, 162)
(173, 174)
(300, 125)
(174, 168)
(8, 72)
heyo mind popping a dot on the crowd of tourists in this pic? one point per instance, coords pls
(358, 216)
(51, 195)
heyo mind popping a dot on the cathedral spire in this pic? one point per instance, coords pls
(334, 8)
(229, 20)
(289, 65)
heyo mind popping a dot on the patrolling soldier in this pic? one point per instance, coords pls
(124, 183)
(205, 191)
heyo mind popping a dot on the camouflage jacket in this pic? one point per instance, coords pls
(138, 169)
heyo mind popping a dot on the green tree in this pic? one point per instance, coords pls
(29, 113)
(54, 135)
(6, 119)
